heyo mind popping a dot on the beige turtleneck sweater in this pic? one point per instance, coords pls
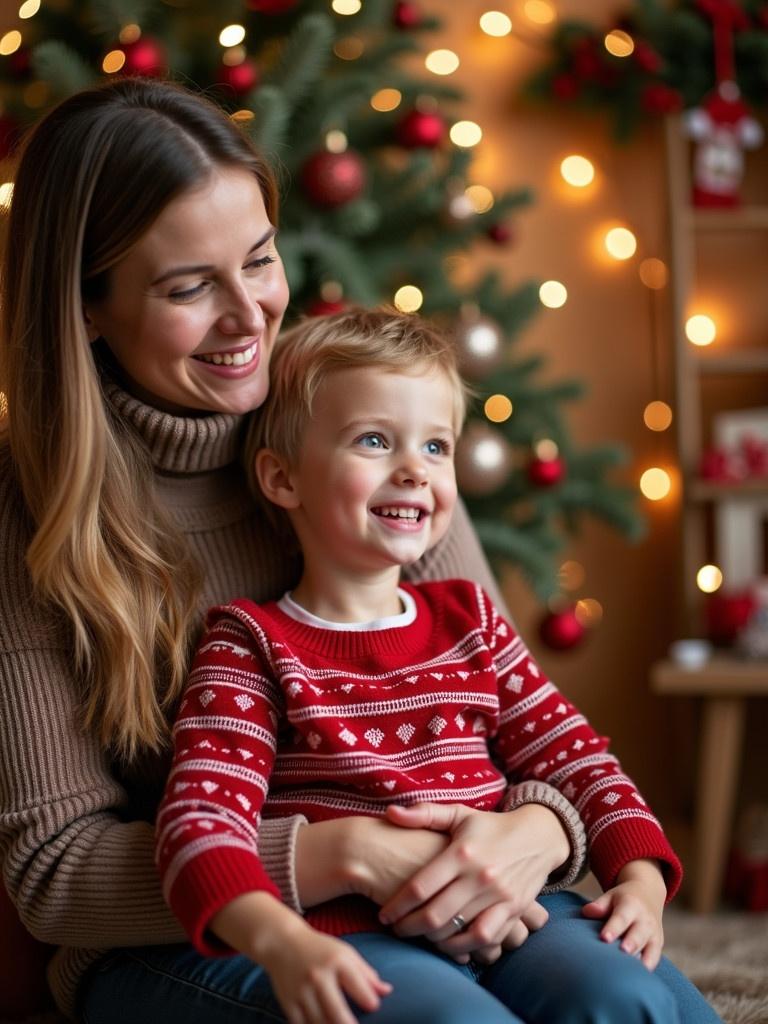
(76, 839)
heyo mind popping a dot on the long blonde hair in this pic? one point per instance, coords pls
(93, 176)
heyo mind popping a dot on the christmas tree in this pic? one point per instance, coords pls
(376, 205)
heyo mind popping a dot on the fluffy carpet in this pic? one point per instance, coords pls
(726, 957)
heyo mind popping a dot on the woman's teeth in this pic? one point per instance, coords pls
(230, 358)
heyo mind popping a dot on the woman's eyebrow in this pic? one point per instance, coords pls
(202, 267)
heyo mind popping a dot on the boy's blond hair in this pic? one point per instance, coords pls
(382, 339)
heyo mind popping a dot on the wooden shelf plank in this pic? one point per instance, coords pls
(710, 490)
(743, 361)
(720, 676)
(744, 218)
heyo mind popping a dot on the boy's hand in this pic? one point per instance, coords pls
(313, 975)
(633, 909)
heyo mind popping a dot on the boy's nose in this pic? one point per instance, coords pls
(412, 474)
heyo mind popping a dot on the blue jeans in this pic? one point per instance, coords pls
(563, 974)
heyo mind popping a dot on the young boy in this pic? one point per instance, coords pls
(354, 694)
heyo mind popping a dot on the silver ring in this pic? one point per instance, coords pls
(458, 922)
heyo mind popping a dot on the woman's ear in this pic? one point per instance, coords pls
(274, 477)
(93, 332)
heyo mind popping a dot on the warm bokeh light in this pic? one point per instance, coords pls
(466, 134)
(657, 416)
(336, 141)
(553, 294)
(441, 62)
(346, 6)
(349, 48)
(588, 612)
(498, 408)
(577, 171)
(709, 578)
(546, 449)
(620, 243)
(6, 194)
(495, 23)
(10, 42)
(653, 273)
(242, 115)
(386, 99)
(480, 197)
(572, 575)
(541, 12)
(655, 484)
(113, 62)
(409, 298)
(700, 329)
(130, 33)
(619, 43)
(331, 291)
(234, 56)
(29, 8)
(3, 406)
(232, 35)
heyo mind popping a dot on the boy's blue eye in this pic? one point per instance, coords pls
(374, 441)
(436, 448)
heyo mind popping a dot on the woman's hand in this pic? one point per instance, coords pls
(488, 876)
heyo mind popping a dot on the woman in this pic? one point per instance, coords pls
(142, 292)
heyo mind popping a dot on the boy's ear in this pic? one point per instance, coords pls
(274, 479)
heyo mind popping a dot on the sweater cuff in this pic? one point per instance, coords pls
(277, 852)
(616, 846)
(542, 793)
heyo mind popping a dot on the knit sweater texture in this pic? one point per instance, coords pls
(283, 717)
(76, 833)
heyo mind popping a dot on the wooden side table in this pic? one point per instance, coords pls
(724, 685)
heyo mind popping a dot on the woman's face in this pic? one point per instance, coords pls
(193, 309)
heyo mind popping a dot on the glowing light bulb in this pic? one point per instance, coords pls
(619, 43)
(709, 578)
(441, 62)
(336, 141)
(409, 298)
(466, 134)
(621, 243)
(498, 408)
(232, 35)
(10, 42)
(386, 99)
(29, 8)
(653, 273)
(546, 449)
(657, 416)
(480, 197)
(553, 294)
(700, 329)
(495, 23)
(577, 171)
(655, 484)
(346, 6)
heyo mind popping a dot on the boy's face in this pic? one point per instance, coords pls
(375, 482)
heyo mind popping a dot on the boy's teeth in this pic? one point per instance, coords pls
(401, 513)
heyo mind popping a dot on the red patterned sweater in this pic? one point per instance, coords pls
(281, 717)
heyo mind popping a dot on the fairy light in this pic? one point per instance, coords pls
(234, 56)
(386, 99)
(498, 408)
(495, 23)
(113, 62)
(442, 62)
(480, 197)
(6, 194)
(620, 243)
(709, 578)
(588, 612)
(466, 134)
(540, 12)
(29, 8)
(553, 294)
(409, 298)
(657, 416)
(577, 171)
(242, 116)
(331, 291)
(619, 43)
(571, 575)
(10, 42)
(349, 48)
(336, 141)
(700, 329)
(653, 273)
(546, 449)
(130, 33)
(655, 484)
(232, 35)
(346, 7)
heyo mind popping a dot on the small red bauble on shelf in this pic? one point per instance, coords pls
(420, 129)
(406, 15)
(323, 307)
(146, 57)
(501, 234)
(727, 615)
(271, 6)
(240, 78)
(333, 179)
(546, 472)
(561, 630)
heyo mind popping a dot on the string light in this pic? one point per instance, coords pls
(6, 194)
(540, 12)
(441, 62)
(113, 62)
(553, 294)
(480, 197)
(655, 484)
(466, 134)
(546, 449)
(657, 416)
(577, 171)
(700, 329)
(242, 116)
(234, 56)
(709, 578)
(336, 141)
(29, 8)
(232, 35)
(653, 273)
(619, 43)
(130, 33)
(409, 298)
(498, 408)
(346, 6)
(620, 243)
(386, 99)
(495, 23)
(10, 42)
(588, 612)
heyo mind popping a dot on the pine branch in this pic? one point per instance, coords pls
(269, 127)
(61, 67)
(305, 56)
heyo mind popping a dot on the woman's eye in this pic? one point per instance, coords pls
(187, 294)
(262, 261)
(374, 441)
(437, 448)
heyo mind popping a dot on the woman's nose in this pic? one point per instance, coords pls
(242, 314)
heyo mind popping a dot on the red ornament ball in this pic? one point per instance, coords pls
(406, 15)
(646, 58)
(546, 472)
(271, 6)
(333, 179)
(145, 57)
(658, 98)
(322, 307)
(561, 630)
(240, 78)
(420, 129)
(501, 234)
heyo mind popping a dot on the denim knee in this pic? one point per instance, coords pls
(633, 995)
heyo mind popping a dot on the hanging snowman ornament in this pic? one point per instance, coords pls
(722, 129)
